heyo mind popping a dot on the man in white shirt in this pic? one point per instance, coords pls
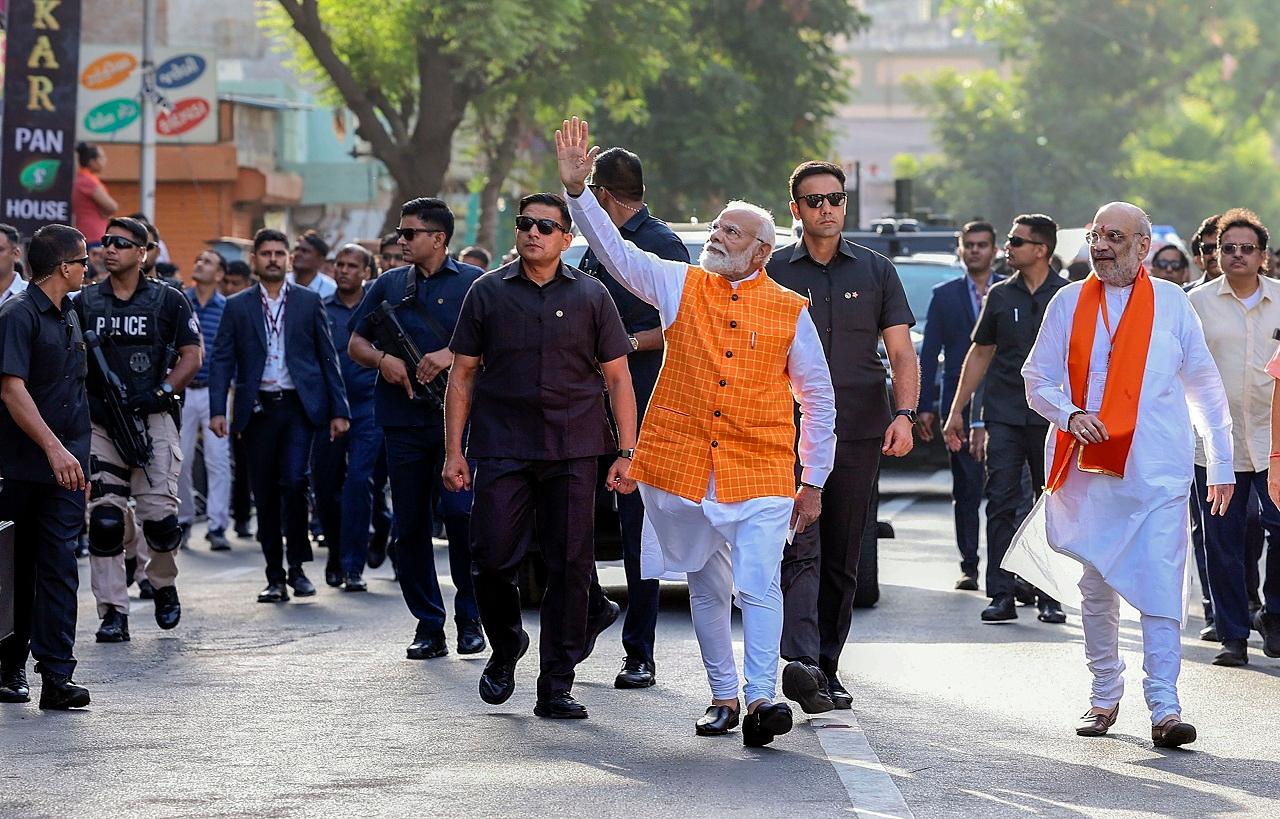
(309, 254)
(11, 284)
(1240, 312)
(1119, 360)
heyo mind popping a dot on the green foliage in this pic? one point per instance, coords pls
(1163, 103)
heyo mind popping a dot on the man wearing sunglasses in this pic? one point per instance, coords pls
(151, 343)
(1241, 313)
(717, 455)
(1204, 247)
(855, 300)
(617, 182)
(551, 341)
(426, 294)
(44, 432)
(1002, 339)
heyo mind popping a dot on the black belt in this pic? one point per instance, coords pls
(276, 395)
(198, 385)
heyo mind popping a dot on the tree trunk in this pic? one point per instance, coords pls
(500, 158)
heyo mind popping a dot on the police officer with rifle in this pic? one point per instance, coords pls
(144, 347)
(402, 329)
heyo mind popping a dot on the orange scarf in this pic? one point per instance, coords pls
(1119, 412)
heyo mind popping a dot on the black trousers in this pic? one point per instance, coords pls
(47, 521)
(1011, 450)
(241, 491)
(278, 440)
(820, 566)
(966, 498)
(554, 501)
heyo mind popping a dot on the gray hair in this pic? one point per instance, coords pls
(765, 232)
(1144, 221)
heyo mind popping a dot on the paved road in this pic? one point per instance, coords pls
(310, 709)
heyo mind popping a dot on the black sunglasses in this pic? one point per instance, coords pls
(1208, 250)
(1170, 264)
(408, 234)
(545, 226)
(84, 260)
(120, 243)
(1018, 241)
(814, 200)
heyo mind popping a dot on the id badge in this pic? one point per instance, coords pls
(1097, 385)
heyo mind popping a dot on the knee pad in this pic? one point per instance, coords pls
(163, 535)
(106, 531)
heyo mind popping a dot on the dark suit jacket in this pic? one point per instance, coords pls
(948, 331)
(240, 353)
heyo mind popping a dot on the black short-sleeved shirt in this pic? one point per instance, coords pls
(1010, 320)
(852, 299)
(42, 344)
(176, 325)
(438, 296)
(539, 395)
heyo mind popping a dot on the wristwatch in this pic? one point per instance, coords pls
(629, 454)
(817, 489)
(635, 343)
(910, 413)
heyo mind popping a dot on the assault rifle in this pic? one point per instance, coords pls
(391, 338)
(127, 430)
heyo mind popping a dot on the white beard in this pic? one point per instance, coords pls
(724, 263)
(1117, 276)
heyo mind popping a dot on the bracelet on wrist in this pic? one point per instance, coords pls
(817, 489)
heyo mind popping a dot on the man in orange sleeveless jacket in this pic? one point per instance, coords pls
(715, 460)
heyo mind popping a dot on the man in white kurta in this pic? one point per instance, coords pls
(726, 539)
(1129, 532)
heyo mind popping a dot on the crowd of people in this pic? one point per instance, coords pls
(736, 406)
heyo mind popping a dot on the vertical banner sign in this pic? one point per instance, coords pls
(37, 165)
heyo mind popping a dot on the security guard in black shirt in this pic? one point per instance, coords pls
(142, 326)
(44, 438)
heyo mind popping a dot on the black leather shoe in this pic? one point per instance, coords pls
(498, 681)
(1210, 634)
(302, 585)
(58, 692)
(719, 720)
(766, 722)
(168, 609)
(13, 686)
(243, 530)
(333, 576)
(807, 685)
(146, 591)
(1051, 613)
(114, 628)
(470, 637)
(1002, 609)
(377, 551)
(1024, 593)
(427, 648)
(635, 673)
(560, 706)
(274, 593)
(598, 624)
(1269, 625)
(1234, 653)
(354, 583)
(841, 699)
(218, 540)
(967, 582)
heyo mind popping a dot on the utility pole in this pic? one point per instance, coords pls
(147, 154)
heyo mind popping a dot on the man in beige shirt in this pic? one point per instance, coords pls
(1241, 315)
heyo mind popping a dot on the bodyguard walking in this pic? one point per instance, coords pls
(44, 433)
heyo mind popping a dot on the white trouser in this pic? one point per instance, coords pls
(217, 463)
(1161, 649)
(744, 564)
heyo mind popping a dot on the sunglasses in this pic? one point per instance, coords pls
(84, 260)
(408, 234)
(1208, 250)
(120, 243)
(814, 200)
(524, 224)
(1170, 264)
(1230, 248)
(1018, 241)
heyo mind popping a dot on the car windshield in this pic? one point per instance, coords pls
(918, 280)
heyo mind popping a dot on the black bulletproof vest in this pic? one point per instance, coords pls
(135, 349)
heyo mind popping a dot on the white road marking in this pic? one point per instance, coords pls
(870, 787)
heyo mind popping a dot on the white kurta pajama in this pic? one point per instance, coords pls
(723, 548)
(1129, 533)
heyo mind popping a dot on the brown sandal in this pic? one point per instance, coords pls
(1096, 725)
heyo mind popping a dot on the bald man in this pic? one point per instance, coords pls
(1121, 369)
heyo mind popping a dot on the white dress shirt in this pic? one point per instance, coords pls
(275, 373)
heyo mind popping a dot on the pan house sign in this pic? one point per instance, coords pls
(110, 108)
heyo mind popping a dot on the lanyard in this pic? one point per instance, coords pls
(274, 324)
